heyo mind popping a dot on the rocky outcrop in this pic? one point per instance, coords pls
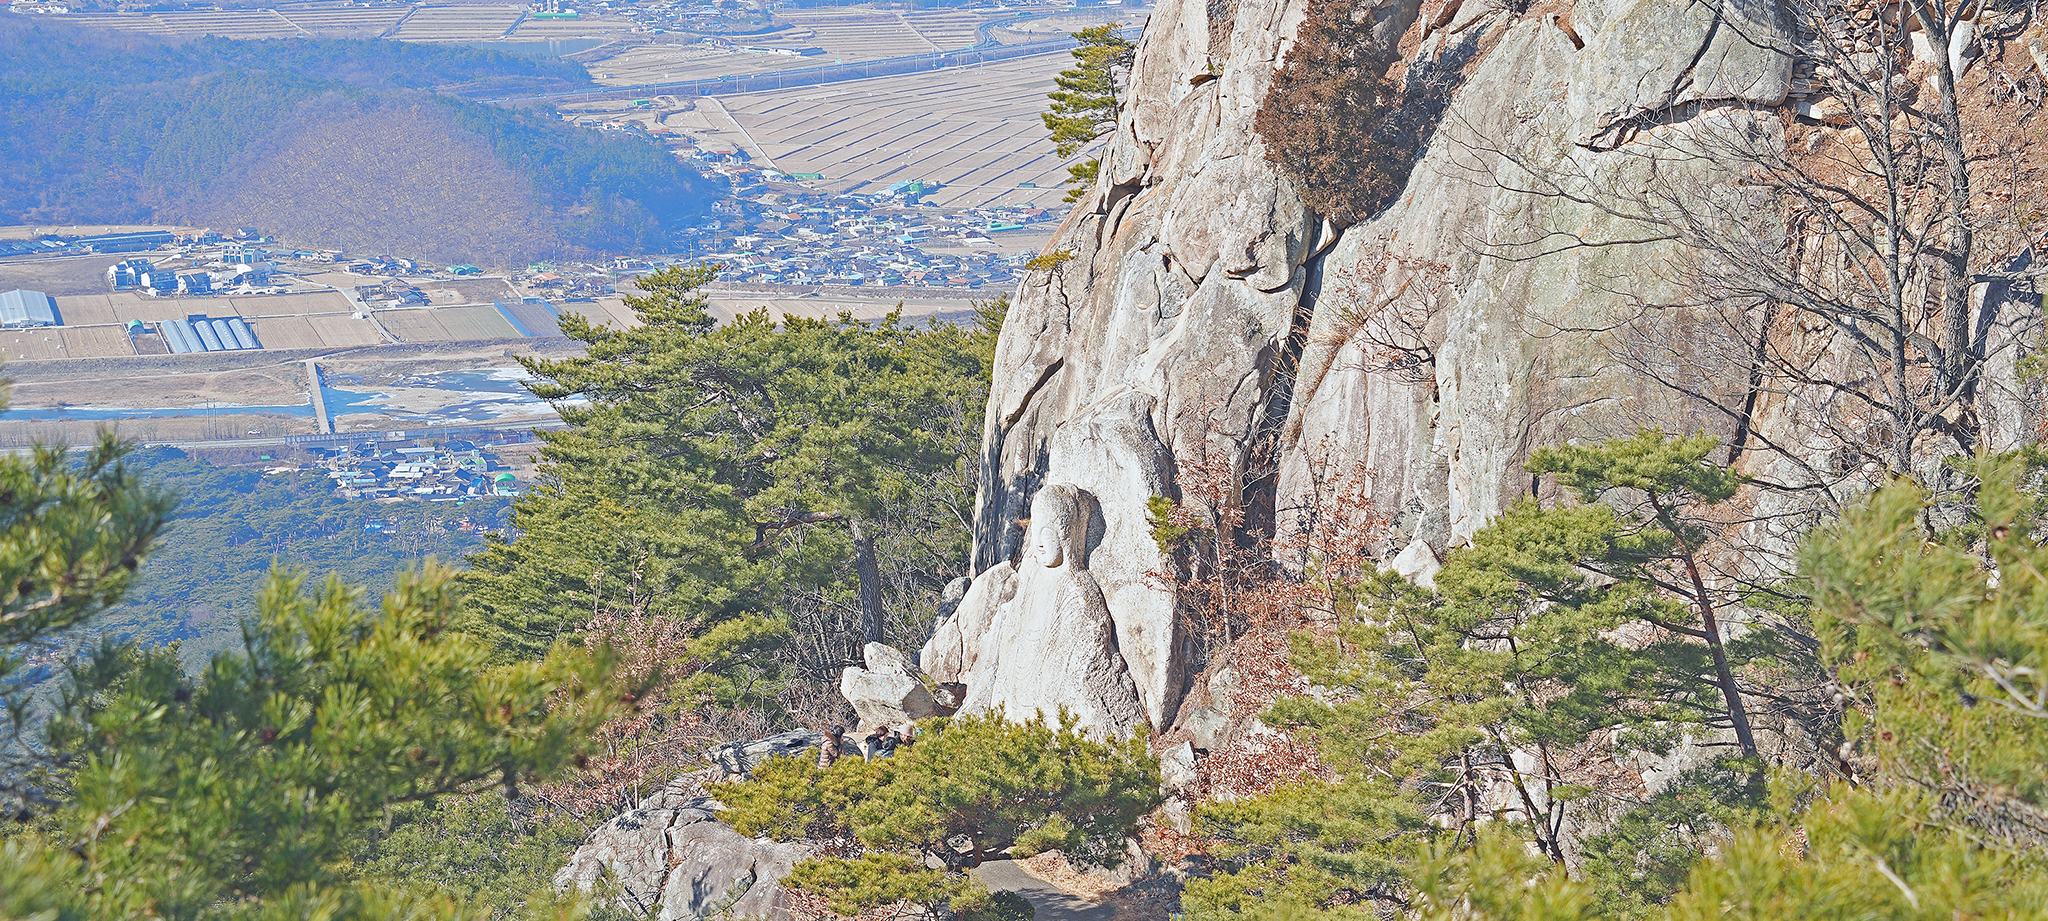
(886, 692)
(1194, 309)
(1067, 651)
(672, 860)
(738, 759)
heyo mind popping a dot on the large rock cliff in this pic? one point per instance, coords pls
(1194, 308)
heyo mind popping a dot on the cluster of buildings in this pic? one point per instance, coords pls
(780, 232)
(162, 279)
(770, 229)
(452, 471)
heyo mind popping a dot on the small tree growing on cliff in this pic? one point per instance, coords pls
(1557, 625)
(1327, 101)
(1563, 621)
(1936, 645)
(1090, 92)
(1659, 544)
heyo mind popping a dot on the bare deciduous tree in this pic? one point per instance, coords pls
(1838, 258)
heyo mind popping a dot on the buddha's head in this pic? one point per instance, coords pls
(1057, 529)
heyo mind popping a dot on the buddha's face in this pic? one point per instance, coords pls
(1048, 543)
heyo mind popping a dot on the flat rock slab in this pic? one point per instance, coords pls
(1050, 902)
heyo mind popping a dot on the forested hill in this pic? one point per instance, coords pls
(361, 145)
(231, 524)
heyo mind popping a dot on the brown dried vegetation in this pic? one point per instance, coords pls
(1327, 101)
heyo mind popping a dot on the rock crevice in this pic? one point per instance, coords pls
(1203, 311)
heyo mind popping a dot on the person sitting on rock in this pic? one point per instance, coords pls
(833, 748)
(885, 742)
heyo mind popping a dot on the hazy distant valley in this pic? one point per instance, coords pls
(350, 143)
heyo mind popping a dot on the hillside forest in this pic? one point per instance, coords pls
(233, 523)
(1671, 675)
(737, 508)
(362, 145)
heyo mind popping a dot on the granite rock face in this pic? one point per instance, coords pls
(1065, 651)
(674, 861)
(886, 692)
(1198, 311)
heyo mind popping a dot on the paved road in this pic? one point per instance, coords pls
(1049, 901)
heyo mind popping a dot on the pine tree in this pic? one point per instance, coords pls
(983, 780)
(1662, 542)
(1557, 624)
(1935, 637)
(242, 790)
(711, 471)
(1090, 92)
(1939, 642)
(73, 532)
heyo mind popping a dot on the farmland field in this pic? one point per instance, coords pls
(343, 21)
(843, 34)
(975, 130)
(538, 320)
(319, 20)
(287, 333)
(150, 342)
(290, 304)
(468, 290)
(604, 310)
(87, 310)
(56, 277)
(465, 324)
(95, 324)
(337, 330)
(458, 23)
(580, 27)
(234, 24)
(97, 340)
(130, 306)
(413, 325)
(30, 344)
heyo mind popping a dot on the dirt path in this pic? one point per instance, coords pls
(1049, 901)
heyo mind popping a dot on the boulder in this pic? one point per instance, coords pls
(672, 860)
(950, 655)
(1177, 768)
(738, 759)
(1417, 563)
(1206, 726)
(888, 691)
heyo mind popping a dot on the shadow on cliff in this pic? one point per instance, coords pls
(1426, 93)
